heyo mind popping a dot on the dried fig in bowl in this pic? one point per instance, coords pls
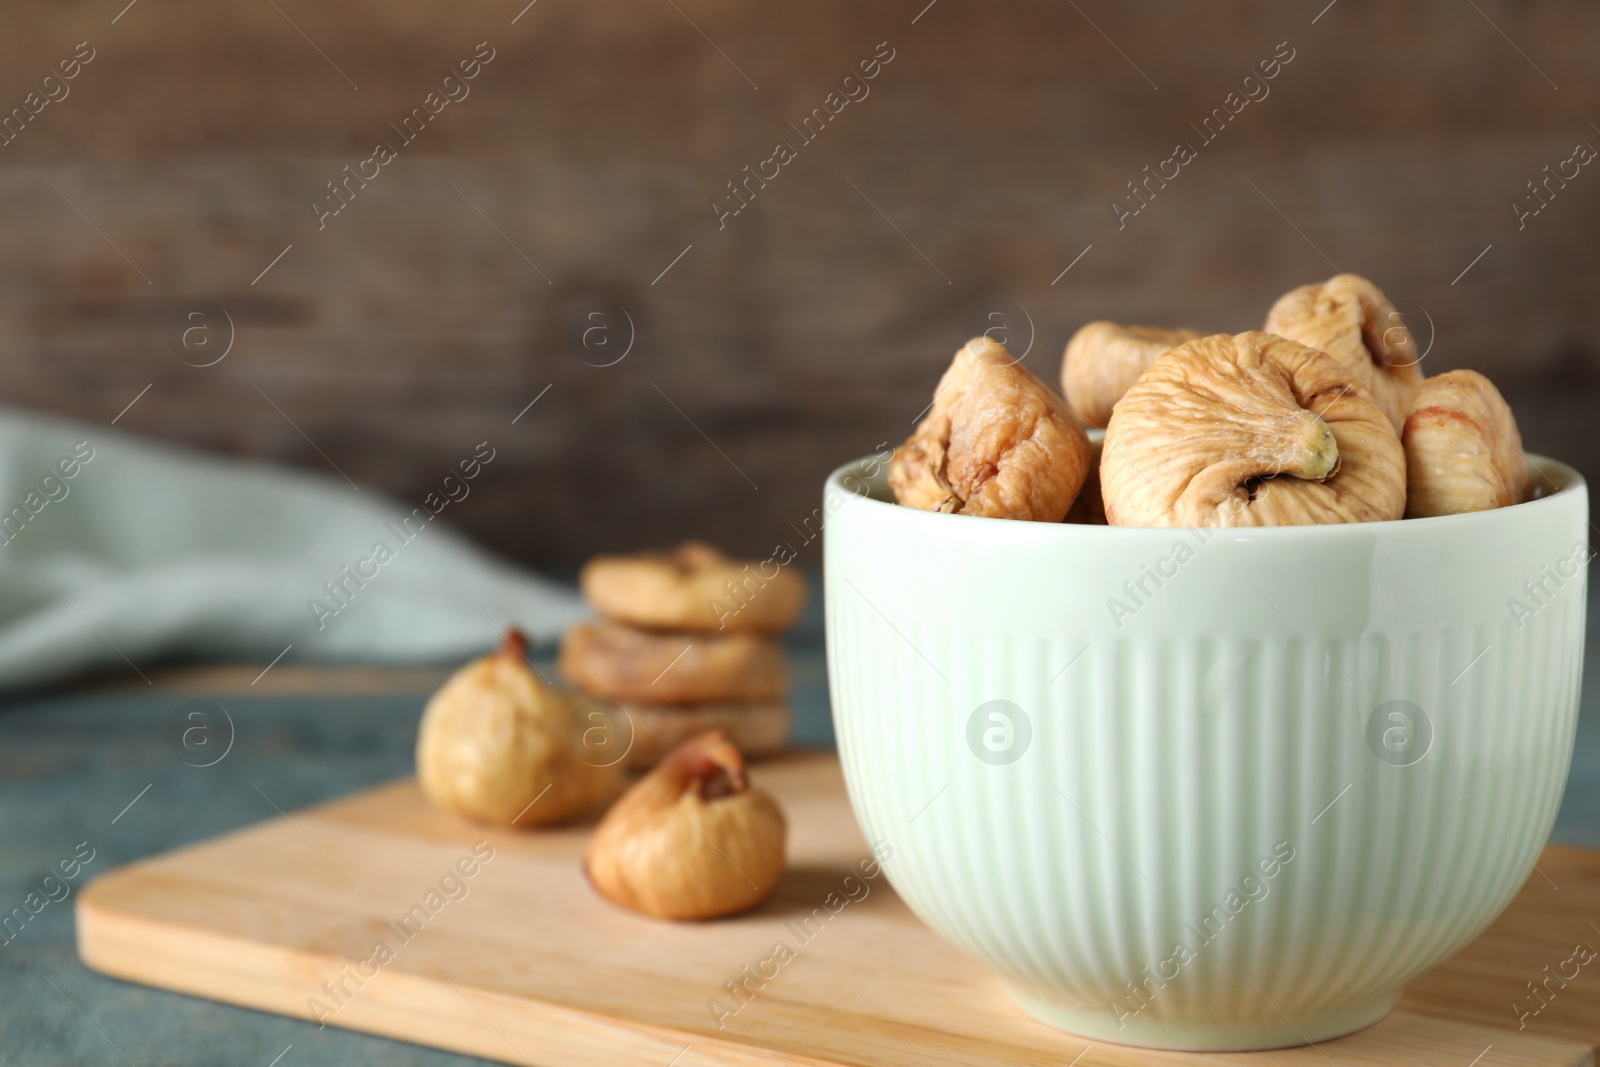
(1463, 451)
(1090, 508)
(996, 443)
(1250, 430)
(1351, 320)
(1104, 359)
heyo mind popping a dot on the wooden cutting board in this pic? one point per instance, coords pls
(521, 962)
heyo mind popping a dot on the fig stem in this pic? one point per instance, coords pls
(1324, 451)
(710, 764)
(1309, 451)
(515, 643)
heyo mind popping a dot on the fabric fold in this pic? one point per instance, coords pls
(114, 548)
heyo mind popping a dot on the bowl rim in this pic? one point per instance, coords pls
(1568, 481)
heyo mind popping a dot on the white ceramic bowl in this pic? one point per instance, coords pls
(1206, 789)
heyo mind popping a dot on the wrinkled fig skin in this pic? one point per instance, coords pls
(494, 737)
(1250, 430)
(1463, 451)
(1104, 359)
(997, 443)
(690, 840)
(1351, 320)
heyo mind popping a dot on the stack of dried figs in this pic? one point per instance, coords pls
(1323, 416)
(686, 643)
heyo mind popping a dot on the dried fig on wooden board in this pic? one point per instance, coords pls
(694, 587)
(1351, 320)
(1103, 359)
(996, 442)
(690, 840)
(1250, 430)
(617, 662)
(493, 746)
(1463, 451)
(758, 728)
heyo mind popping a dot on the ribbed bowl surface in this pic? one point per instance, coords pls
(1206, 789)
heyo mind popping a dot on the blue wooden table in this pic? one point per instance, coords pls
(102, 767)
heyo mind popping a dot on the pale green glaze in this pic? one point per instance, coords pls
(1246, 696)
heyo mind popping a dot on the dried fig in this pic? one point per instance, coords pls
(1463, 451)
(1351, 320)
(690, 840)
(996, 442)
(617, 662)
(493, 746)
(758, 729)
(1089, 509)
(1250, 430)
(1103, 359)
(694, 587)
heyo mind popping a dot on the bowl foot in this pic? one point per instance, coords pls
(1201, 1035)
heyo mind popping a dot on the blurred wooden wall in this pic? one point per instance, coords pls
(456, 286)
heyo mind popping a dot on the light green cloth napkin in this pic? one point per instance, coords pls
(116, 549)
